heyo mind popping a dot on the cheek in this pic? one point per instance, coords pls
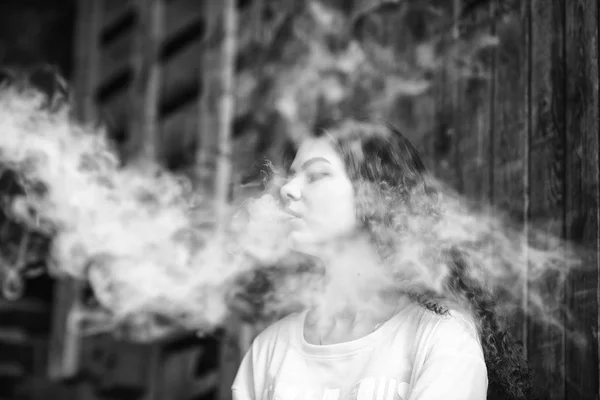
(336, 210)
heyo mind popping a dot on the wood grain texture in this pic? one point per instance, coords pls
(447, 132)
(475, 124)
(546, 189)
(444, 134)
(582, 192)
(510, 141)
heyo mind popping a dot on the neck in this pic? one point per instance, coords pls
(358, 294)
(353, 273)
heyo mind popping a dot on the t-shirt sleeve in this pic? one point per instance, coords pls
(454, 366)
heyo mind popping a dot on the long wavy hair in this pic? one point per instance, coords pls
(396, 199)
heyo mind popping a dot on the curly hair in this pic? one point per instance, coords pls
(397, 200)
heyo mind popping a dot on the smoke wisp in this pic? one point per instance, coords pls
(140, 238)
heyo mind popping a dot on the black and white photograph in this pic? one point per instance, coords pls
(299, 200)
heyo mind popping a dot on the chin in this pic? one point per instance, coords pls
(314, 246)
(303, 242)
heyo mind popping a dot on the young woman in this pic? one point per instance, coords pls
(382, 329)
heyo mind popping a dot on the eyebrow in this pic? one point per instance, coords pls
(311, 161)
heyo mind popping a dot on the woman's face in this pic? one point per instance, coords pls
(320, 195)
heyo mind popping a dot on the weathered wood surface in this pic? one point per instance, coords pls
(547, 181)
(447, 133)
(510, 112)
(540, 137)
(474, 120)
(510, 140)
(582, 207)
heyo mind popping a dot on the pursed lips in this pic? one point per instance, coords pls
(293, 213)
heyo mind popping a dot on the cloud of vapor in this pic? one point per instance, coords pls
(434, 237)
(517, 262)
(143, 242)
(139, 238)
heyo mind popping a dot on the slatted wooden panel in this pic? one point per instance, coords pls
(547, 181)
(535, 128)
(510, 141)
(474, 125)
(447, 134)
(582, 196)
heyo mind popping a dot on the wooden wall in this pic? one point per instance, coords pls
(527, 141)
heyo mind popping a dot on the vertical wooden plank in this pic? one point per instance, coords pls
(146, 84)
(511, 136)
(440, 137)
(582, 362)
(65, 340)
(475, 122)
(447, 131)
(449, 103)
(546, 190)
(455, 98)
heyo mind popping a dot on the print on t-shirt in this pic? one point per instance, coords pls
(369, 388)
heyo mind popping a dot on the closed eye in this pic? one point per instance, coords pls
(316, 176)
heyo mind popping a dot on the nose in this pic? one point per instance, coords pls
(290, 191)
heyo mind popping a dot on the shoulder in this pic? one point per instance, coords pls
(453, 320)
(449, 352)
(453, 332)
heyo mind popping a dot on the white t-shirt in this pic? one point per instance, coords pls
(416, 355)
